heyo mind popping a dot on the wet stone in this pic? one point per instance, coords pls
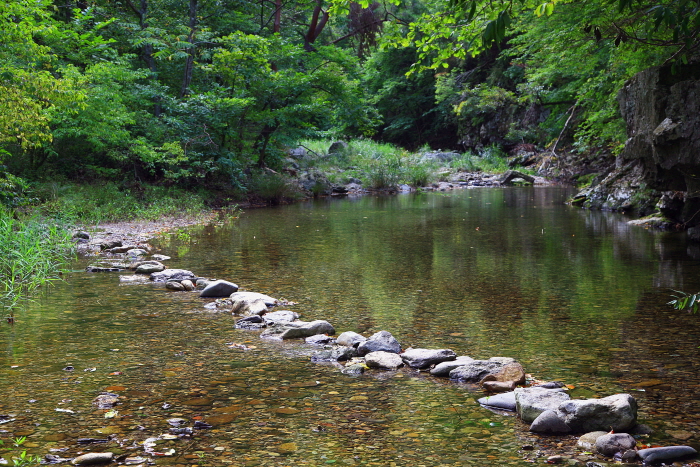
(174, 285)
(320, 339)
(667, 453)
(350, 339)
(218, 289)
(93, 458)
(106, 401)
(613, 443)
(336, 354)
(423, 358)
(444, 368)
(254, 322)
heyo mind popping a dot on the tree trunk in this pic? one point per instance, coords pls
(318, 22)
(189, 62)
(147, 49)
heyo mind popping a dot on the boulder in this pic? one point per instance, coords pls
(549, 422)
(93, 458)
(587, 441)
(617, 412)
(380, 341)
(297, 330)
(172, 275)
(251, 303)
(280, 316)
(510, 373)
(149, 267)
(612, 443)
(475, 371)
(351, 339)
(423, 358)
(531, 402)
(218, 289)
(338, 353)
(383, 360)
(505, 401)
(444, 368)
(666, 454)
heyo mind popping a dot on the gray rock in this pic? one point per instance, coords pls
(354, 369)
(202, 283)
(93, 458)
(338, 353)
(550, 385)
(160, 257)
(136, 252)
(174, 285)
(134, 278)
(149, 267)
(337, 147)
(172, 275)
(320, 339)
(617, 412)
(280, 316)
(383, 360)
(612, 443)
(251, 323)
(298, 329)
(665, 454)
(188, 285)
(587, 441)
(444, 368)
(219, 288)
(474, 372)
(549, 422)
(531, 402)
(251, 303)
(82, 235)
(423, 358)
(505, 401)
(380, 341)
(350, 338)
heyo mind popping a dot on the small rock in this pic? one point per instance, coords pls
(555, 459)
(106, 400)
(505, 401)
(511, 372)
(339, 353)
(549, 422)
(93, 458)
(587, 441)
(136, 252)
(531, 402)
(188, 285)
(444, 368)
(613, 443)
(250, 303)
(474, 372)
(82, 235)
(174, 285)
(149, 267)
(423, 358)
(350, 339)
(251, 323)
(320, 339)
(172, 275)
(665, 454)
(160, 257)
(383, 360)
(297, 329)
(354, 369)
(219, 288)
(280, 316)
(498, 386)
(380, 341)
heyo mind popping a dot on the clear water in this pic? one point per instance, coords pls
(574, 295)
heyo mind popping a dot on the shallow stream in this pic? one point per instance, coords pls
(574, 295)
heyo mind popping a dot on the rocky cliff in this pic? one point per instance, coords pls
(659, 168)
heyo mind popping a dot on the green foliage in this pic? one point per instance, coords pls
(110, 202)
(685, 301)
(32, 252)
(272, 188)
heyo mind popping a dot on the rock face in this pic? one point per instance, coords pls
(380, 341)
(618, 412)
(383, 360)
(531, 402)
(251, 303)
(219, 289)
(423, 358)
(662, 151)
(172, 275)
(474, 372)
(298, 329)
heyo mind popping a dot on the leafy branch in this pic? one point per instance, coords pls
(685, 301)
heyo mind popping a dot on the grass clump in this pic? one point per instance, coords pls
(272, 188)
(110, 202)
(32, 254)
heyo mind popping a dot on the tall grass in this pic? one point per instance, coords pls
(109, 202)
(32, 253)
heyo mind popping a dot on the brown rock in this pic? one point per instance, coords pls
(512, 372)
(497, 386)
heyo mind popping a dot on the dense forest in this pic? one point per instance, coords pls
(194, 93)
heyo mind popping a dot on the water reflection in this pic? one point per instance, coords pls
(574, 295)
